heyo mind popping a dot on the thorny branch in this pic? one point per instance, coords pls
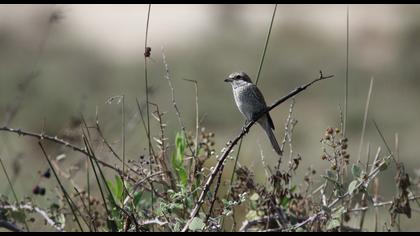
(233, 142)
(41, 212)
(61, 142)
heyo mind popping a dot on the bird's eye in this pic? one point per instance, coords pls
(237, 77)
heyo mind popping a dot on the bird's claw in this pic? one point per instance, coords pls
(244, 130)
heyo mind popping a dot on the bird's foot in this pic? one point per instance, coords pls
(245, 127)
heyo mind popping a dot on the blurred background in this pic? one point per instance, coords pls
(50, 73)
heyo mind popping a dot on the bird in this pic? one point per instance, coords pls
(250, 102)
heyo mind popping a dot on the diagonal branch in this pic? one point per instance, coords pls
(233, 142)
(60, 142)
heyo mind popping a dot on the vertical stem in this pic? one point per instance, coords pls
(365, 119)
(266, 44)
(13, 191)
(123, 147)
(147, 100)
(145, 77)
(347, 73)
(88, 193)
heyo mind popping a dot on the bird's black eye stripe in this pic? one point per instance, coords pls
(237, 76)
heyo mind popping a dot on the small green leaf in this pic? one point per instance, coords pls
(356, 171)
(252, 215)
(285, 202)
(137, 198)
(352, 186)
(332, 175)
(177, 227)
(197, 224)
(333, 223)
(254, 197)
(300, 229)
(183, 176)
(61, 219)
(339, 212)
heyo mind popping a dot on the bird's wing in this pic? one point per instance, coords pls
(258, 96)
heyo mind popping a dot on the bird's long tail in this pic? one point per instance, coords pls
(265, 125)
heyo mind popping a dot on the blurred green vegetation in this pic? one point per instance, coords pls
(74, 78)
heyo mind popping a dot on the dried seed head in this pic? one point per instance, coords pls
(330, 130)
(147, 51)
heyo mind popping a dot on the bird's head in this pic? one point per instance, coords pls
(238, 78)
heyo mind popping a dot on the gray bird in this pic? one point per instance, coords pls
(250, 103)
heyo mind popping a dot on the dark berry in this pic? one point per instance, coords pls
(47, 173)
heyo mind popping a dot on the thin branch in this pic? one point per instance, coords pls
(365, 119)
(178, 114)
(380, 204)
(139, 183)
(197, 127)
(13, 191)
(227, 150)
(214, 195)
(145, 128)
(41, 212)
(60, 142)
(66, 195)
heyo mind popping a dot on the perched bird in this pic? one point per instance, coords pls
(251, 103)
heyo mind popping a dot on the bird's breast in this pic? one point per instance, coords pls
(245, 100)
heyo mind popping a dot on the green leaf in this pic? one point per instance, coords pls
(254, 197)
(252, 215)
(300, 229)
(285, 202)
(356, 171)
(352, 186)
(183, 176)
(118, 188)
(61, 219)
(197, 224)
(333, 223)
(332, 175)
(137, 198)
(178, 158)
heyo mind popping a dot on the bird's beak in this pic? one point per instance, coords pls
(228, 80)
